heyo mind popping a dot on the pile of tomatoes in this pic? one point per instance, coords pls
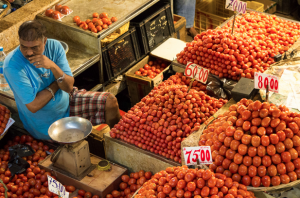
(164, 117)
(33, 182)
(130, 184)
(183, 182)
(59, 12)
(152, 68)
(4, 117)
(97, 24)
(256, 40)
(255, 144)
(81, 193)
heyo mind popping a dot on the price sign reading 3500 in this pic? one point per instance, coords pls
(261, 81)
(193, 70)
(57, 188)
(236, 5)
(191, 154)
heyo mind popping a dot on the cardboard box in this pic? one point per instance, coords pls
(140, 86)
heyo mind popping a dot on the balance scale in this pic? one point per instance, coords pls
(73, 156)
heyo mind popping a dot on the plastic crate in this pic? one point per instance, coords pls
(286, 6)
(255, 6)
(154, 26)
(121, 54)
(210, 14)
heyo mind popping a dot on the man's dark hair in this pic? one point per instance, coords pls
(32, 30)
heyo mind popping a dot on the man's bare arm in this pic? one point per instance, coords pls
(42, 98)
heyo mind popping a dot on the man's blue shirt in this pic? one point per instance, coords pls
(26, 81)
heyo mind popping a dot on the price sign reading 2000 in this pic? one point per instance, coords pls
(236, 5)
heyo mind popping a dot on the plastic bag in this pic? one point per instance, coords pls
(219, 88)
(16, 164)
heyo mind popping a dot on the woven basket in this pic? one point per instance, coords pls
(2, 14)
(136, 192)
(251, 188)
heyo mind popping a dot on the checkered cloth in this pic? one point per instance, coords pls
(89, 105)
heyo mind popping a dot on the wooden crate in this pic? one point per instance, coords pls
(180, 27)
(210, 14)
(133, 157)
(96, 141)
(97, 182)
(140, 86)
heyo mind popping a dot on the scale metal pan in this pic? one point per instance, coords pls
(70, 130)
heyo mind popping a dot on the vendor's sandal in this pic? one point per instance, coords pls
(192, 32)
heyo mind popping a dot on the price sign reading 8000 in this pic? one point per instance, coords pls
(261, 81)
(191, 154)
(236, 5)
(193, 70)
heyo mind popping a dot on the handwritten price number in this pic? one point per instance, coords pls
(203, 153)
(264, 80)
(236, 5)
(192, 69)
(57, 188)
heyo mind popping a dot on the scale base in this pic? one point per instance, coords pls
(74, 159)
(97, 182)
(80, 177)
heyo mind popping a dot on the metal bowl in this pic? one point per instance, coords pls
(70, 130)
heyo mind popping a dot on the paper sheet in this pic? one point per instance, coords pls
(291, 102)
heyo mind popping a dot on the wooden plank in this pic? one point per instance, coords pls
(115, 87)
(180, 27)
(97, 182)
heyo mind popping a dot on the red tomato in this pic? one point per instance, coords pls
(48, 13)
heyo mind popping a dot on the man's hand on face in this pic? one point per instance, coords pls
(41, 61)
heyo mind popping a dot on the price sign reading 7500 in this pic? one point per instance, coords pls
(191, 154)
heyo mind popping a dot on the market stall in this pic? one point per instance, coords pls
(252, 144)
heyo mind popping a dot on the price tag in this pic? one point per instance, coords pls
(191, 154)
(57, 188)
(193, 70)
(262, 80)
(236, 5)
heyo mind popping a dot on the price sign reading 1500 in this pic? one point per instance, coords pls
(236, 5)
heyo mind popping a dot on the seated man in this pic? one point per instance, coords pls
(40, 77)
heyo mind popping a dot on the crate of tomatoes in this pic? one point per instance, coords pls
(257, 39)
(187, 182)
(144, 76)
(166, 116)
(256, 144)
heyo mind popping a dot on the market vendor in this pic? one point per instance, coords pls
(40, 77)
